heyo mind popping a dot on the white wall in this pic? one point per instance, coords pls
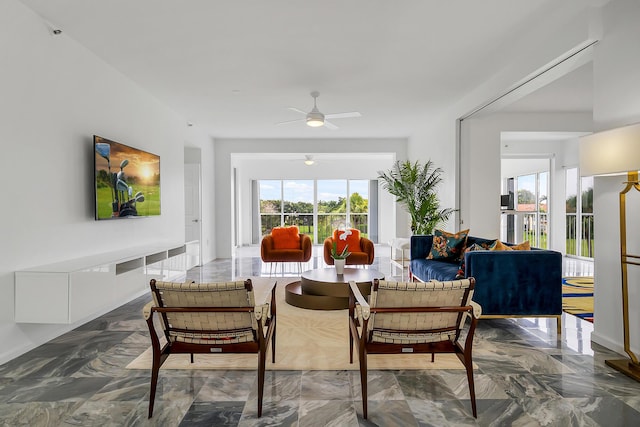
(437, 143)
(226, 148)
(481, 161)
(358, 166)
(198, 142)
(616, 103)
(55, 96)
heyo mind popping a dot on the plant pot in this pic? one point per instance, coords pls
(339, 263)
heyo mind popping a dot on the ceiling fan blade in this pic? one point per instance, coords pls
(297, 110)
(291, 121)
(330, 125)
(343, 115)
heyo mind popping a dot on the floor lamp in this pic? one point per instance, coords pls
(616, 152)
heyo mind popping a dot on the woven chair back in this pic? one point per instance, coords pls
(418, 294)
(193, 326)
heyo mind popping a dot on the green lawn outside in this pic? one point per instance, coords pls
(150, 206)
(571, 248)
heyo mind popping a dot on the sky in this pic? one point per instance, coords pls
(302, 190)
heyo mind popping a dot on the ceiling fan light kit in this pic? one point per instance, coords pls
(315, 118)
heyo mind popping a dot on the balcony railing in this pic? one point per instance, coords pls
(580, 243)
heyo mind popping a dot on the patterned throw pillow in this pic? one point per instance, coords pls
(448, 246)
(475, 247)
(352, 239)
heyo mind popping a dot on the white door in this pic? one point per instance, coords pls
(192, 208)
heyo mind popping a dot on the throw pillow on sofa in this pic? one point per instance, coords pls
(499, 246)
(448, 246)
(524, 246)
(475, 247)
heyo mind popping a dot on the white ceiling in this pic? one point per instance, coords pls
(572, 92)
(232, 67)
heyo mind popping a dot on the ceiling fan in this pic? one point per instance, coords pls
(315, 118)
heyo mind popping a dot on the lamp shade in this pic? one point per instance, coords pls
(612, 152)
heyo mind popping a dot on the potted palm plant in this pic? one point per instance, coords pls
(339, 258)
(414, 186)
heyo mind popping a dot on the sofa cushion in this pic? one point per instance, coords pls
(433, 270)
(448, 245)
(285, 237)
(353, 240)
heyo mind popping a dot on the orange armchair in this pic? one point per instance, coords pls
(285, 244)
(361, 248)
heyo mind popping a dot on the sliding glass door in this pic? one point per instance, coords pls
(317, 207)
(532, 204)
(579, 214)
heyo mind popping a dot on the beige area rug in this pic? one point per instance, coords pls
(305, 340)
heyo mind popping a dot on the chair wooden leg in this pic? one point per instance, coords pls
(191, 357)
(350, 345)
(155, 368)
(362, 354)
(467, 360)
(273, 344)
(472, 390)
(159, 356)
(262, 358)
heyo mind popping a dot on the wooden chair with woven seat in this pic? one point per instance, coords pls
(211, 318)
(412, 317)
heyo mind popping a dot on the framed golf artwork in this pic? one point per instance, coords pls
(127, 180)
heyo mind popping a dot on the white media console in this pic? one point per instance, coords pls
(84, 288)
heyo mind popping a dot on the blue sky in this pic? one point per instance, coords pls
(300, 190)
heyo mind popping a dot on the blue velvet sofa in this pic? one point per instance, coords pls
(508, 283)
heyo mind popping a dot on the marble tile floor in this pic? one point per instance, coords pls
(526, 376)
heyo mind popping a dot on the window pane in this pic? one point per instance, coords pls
(360, 221)
(267, 222)
(303, 221)
(586, 249)
(298, 196)
(332, 196)
(571, 190)
(359, 197)
(571, 233)
(270, 196)
(586, 185)
(527, 193)
(327, 223)
(530, 228)
(543, 191)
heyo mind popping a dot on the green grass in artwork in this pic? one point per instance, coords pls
(150, 206)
